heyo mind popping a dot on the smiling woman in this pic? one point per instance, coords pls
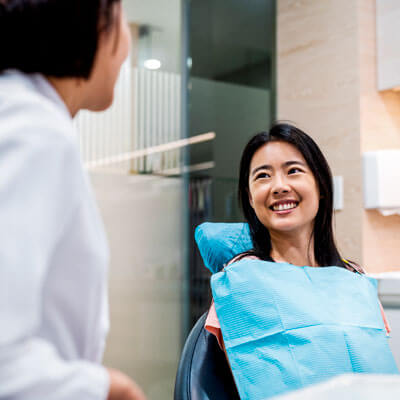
(286, 194)
(281, 168)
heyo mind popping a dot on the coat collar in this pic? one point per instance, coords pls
(40, 84)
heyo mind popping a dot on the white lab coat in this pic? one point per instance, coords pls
(53, 252)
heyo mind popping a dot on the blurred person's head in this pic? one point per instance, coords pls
(79, 42)
(285, 187)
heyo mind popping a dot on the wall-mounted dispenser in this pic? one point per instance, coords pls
(388, 44)
(381, 181)
(338, 193)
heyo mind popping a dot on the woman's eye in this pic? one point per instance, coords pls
(295, 170)
(263, 175)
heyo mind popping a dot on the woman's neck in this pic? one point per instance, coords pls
(293, 248)
(71, 91)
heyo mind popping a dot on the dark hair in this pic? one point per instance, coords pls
(54, 37)
(325, 250)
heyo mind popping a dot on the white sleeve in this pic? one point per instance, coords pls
(38, 195)
(32, 369)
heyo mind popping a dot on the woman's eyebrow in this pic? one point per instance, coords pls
(285, 164)
(289, 163)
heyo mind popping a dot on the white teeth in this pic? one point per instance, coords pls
(282, 207)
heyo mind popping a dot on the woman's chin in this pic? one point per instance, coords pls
(101, 104)
(285, 227)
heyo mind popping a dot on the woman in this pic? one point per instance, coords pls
(57, 57)
(285, 190)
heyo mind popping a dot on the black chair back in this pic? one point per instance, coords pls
(203, 372)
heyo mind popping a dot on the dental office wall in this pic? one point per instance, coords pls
(380, 129)
(327, 85)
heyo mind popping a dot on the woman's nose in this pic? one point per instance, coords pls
(280, 185)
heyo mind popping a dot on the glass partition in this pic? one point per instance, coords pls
(134, 154)
(199, 82)
(232, 93)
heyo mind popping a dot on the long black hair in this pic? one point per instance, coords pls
(325, 250)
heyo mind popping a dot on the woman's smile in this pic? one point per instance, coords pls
(284, 206)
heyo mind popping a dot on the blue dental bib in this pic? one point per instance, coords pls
(287, 327)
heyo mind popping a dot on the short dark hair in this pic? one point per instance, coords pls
(57, 38)
(325, 250)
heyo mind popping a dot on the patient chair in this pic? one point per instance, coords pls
(203, 372)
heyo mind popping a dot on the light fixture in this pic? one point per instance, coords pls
(146, 47)
(152, 63)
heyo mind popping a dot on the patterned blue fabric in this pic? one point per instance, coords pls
(286, 327)
(220, 242)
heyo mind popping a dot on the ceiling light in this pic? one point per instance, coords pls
(152, 63)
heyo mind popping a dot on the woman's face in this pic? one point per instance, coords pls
(113, 49)
(282, 189)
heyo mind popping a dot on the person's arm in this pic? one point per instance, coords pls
(123, 388)
(213, 326)
(32, 368)
(37, 199)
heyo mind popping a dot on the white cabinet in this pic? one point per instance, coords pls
(388, 44)
(381, 178)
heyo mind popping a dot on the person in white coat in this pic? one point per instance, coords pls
(56, 58)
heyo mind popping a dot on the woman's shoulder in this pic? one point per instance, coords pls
(34, 127)
(24, 107)
(242, 256)
(353, 266)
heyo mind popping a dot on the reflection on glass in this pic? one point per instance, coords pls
(135, 154)
(232, 93)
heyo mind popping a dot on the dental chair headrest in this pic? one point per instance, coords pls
(220, 242)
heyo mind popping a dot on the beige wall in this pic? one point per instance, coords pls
(318, 89)
(327, 85)
(380, 129)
